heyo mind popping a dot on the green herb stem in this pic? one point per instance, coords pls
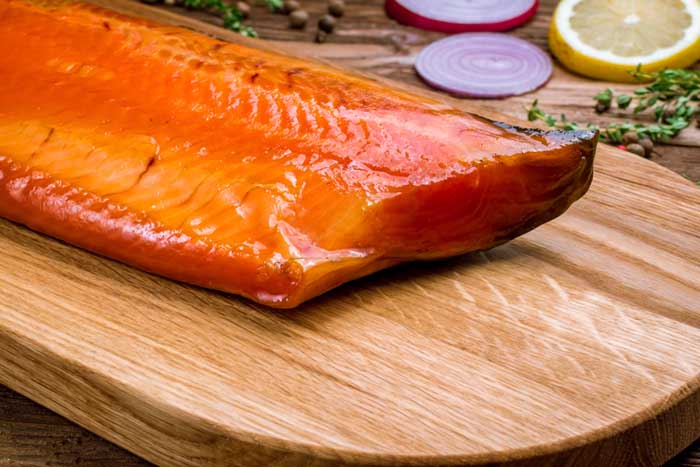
(233, 18)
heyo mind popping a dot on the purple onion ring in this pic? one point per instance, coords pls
(453, 16)
(487, 65)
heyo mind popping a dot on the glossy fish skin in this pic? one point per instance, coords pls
(247, 171)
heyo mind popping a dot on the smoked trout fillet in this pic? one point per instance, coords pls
(247, 171)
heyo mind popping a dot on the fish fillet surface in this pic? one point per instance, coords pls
(247, 171)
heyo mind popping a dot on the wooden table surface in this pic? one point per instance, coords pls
(366, 39)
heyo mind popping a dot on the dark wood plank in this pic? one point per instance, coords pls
(688, 458)
(31, 435)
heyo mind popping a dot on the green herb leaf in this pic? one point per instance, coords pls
(672, 95)
(233, 18)
(604, 97)
(274, 5)
(623, 101)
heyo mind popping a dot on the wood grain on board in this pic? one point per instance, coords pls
(577, 343)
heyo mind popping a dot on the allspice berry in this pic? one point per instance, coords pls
(637, 149)
(630, 137)
(648, 146)
(244, 8)
(326, 24)
(298, 19)
(336, 8)
(668, 114)
(290, 6)
(321, 37)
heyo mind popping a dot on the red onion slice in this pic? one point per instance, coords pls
(454, 16)
(484, 65)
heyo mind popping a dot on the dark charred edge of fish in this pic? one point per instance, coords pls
(560, 136)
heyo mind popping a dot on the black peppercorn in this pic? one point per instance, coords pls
(630, 137)
(601, 107)
(326, 24)
(668, 114)
(336, 8)
(298, 19)
(648, 146)
(244, 9)
(290, 6)
(637, 149)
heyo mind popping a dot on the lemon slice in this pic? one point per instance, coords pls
(607, 39)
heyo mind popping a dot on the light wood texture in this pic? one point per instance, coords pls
(576, 344)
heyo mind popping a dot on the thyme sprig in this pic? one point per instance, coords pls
(232, 16)
(672, 97)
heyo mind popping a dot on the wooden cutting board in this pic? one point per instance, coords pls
(577, 344)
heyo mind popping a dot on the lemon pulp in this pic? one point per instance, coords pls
(607, 39)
